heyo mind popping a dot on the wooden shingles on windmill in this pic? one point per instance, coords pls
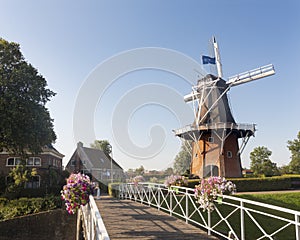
(217, 140)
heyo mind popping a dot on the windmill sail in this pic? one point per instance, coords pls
(252, 75)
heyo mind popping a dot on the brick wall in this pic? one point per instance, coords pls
(55, 224)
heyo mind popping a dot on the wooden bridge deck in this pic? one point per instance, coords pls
(125, 219)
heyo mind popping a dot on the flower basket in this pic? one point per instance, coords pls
(212, 189)
(76, 192)
(174, 181)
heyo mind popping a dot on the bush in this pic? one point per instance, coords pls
(193, 182)
(113, 189)
(24, 206)
(262, 184)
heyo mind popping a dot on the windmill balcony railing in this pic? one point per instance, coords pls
(220, 125)
(233, 217)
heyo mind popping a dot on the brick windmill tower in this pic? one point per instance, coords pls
(217, 140)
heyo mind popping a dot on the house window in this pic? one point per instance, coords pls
(229, 154)
(33, 182)
(13, 161)
(10, 162)
(30, 161)
(210, 139)
(34, 161)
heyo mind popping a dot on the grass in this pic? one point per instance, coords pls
(287, 200)
(269, 224)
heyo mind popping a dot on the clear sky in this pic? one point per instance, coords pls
(69, 41)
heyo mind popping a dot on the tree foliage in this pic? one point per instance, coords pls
(102, 145)
(261, 163)
(183, 159)
(294, 147)
(25, 123)
(20, 175)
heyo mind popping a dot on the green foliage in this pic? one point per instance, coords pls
(113, 189)
(193, 182)
(20, 175)
(263, 184)
(261, 164)
(25, 122)
(102, 145)
(294, 147)
(183, 159)
(139, 171)
(289, 200)
(25, 206)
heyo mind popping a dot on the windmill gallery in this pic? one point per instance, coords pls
(217, 140)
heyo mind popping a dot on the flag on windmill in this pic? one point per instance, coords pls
(208, 60)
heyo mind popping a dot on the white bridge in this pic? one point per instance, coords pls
(233, 217)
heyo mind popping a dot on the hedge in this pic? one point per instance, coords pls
(24, 206)
(113, 189)
(260, 184)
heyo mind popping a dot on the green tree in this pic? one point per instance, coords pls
(294, 147)
(169, 171)
(261, 163)
(139, 171)
(25, 123)
(102, 145)
(183, 159)
(19, 176)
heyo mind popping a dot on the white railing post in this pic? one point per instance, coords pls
(158, 198)
(297, 227)
(242, 221)
(171, 205)
(91, 224)
(150, 189)
(209, 222)
(186, 206)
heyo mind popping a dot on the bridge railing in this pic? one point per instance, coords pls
(233, 217)
(93, 226)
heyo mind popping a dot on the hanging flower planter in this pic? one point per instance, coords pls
(176, 180)
(212, 189)
(76, 192)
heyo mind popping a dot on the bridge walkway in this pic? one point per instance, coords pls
(126, 219)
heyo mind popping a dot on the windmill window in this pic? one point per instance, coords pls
(229, 154)
(196, 155)
(210, 139)
(73, 162)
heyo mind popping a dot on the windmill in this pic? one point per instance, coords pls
(217, 140)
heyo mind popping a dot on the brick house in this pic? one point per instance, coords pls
(95, 163)
(48, 165)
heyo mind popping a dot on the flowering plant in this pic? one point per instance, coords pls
(76, 192)
(211, 189)
(176, 180)
(137, 179)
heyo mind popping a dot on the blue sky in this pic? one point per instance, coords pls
(68, 40)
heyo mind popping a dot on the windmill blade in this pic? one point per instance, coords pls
(252, 75)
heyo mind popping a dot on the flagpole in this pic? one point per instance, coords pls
(218, 58)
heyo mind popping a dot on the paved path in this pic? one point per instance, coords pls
(126, 219)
